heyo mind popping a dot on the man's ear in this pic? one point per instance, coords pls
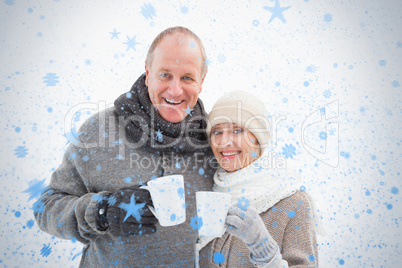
(202, 81)
(146, 74)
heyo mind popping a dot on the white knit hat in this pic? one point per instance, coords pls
(242, 108)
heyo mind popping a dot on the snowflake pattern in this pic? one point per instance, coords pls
(159, 136)
(289, 151)
(148, 11)
(131, 43)
(51, 79)
(221, 58)
(311, 69)
(21, 151)
(327, 94)
(276, 12)
(36, 188)
(243, 203)
(323, 135)
(114, 34)
(46, 250)
(133, 209)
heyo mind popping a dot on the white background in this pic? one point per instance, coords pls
(346, 52)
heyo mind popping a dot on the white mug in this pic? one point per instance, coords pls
(168, 198)
(212, 209)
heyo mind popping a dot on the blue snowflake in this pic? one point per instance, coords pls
(36, 188)
(99, 197)
(328, 17)
(159, 135)
(21, 151)
(277, 11)
(382, 62)
(133, 209)
(9, 2)
(289, 151)
(112, 200)
(184, 9)
(114, 34)
(221, 58)
(332, 131)
(72, 136)
(51, 79)
(188, 111)
(256, 22)
(395, 83)
(148, 11)
(196, 222)
(323, 135)
(311, 69)
(46, 250)
(327, 94)
(243, 203)
(131, 43)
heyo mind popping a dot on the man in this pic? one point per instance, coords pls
(155, 129)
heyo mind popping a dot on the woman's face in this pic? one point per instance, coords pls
(234, 146)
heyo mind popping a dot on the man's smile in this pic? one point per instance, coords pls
(171, 101)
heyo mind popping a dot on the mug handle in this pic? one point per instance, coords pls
(152, 209)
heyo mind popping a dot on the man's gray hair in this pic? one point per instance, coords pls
(178, 29)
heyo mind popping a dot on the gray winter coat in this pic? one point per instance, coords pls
(103, 160)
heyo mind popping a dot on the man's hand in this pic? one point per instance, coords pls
(126, 212)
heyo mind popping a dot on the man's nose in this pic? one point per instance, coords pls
(175, 89)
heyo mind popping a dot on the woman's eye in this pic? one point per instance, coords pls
(216, 132)
(187, 78)
(238, 131)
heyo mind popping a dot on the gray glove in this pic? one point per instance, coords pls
(249, 227)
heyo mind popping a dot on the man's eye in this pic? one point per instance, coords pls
(164, 75)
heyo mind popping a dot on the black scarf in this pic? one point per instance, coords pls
(145, 126)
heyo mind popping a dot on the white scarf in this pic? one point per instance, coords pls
(255, 186)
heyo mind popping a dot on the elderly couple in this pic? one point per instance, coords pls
(89, 194)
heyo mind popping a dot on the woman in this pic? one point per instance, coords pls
(273, 223)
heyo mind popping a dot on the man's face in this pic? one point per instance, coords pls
(174, 79)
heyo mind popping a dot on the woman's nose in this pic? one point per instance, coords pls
(227, 139)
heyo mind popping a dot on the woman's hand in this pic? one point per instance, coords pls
(248, 226)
